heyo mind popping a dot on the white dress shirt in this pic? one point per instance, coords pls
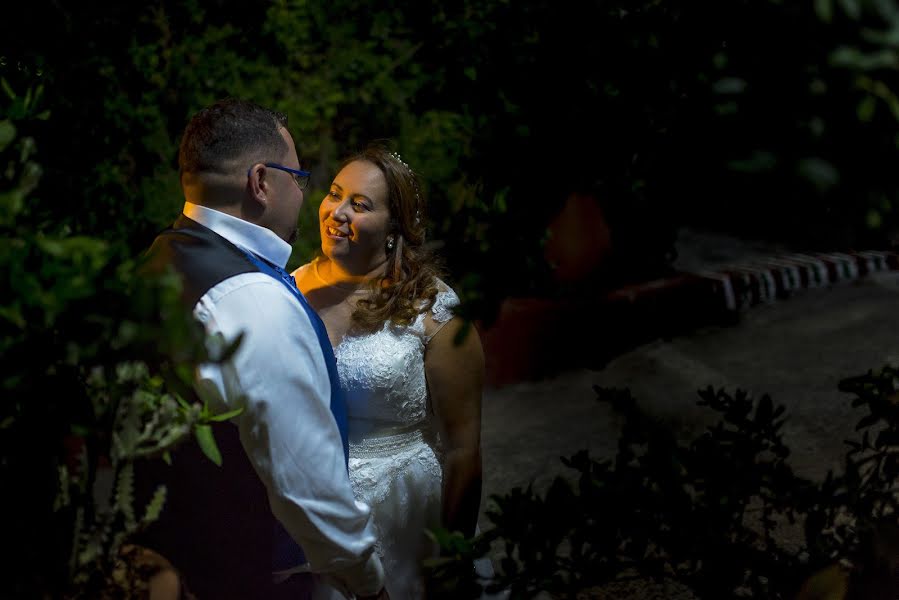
(279, 377)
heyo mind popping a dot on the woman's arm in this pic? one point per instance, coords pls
(455, 373)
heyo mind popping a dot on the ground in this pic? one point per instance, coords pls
(796, 350)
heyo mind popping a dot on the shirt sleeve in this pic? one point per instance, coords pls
(278, 375)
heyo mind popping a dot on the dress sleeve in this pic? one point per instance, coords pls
(441, 311)
(278, 375)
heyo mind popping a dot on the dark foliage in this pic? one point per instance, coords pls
(771, 119)
(710, 515)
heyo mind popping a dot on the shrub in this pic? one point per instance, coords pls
(708, 514)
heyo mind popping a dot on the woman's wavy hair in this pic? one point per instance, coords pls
(408, 285)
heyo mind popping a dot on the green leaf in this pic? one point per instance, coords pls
(759, 161)
(845, 56)
(226, 415)
(13, 314)
(7, 134)
(184, 403)
(11, 203)
(852, 8)
(207, 443)
(81, 430)
(866, 108)
(730, 85)
(79, 247)
(167, 458)
(873, 219)
(154, 507)
(124, 498)
(821, 173)
(824, 10)
(185, 373)
(6, 88)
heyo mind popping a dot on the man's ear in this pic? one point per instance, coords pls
(257, 184)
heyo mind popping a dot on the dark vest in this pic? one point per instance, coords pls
(216, 526)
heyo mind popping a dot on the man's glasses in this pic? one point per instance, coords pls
(300, 177)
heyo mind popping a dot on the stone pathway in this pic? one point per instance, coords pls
(796, 351)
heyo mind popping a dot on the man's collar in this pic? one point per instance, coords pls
(259, 240)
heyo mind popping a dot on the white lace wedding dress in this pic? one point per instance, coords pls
(395, 465)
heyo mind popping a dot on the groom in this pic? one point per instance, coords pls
(284, 478)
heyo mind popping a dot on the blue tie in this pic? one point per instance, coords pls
(286, 553)
(338, 405)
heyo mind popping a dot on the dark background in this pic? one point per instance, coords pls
(769, 119)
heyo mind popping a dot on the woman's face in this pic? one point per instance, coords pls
(354, 218)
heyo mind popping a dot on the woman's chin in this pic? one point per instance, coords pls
(334, 250)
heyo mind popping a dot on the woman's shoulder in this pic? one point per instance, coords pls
(304, 269)
(305, 275)
(307, 267)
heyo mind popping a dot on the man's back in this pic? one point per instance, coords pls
(216, 526)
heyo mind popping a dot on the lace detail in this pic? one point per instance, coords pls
(400, 475)
(383, 375)
(404, 491)
(374, 478)
(445, 301)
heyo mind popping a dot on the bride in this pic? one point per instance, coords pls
(413, 389)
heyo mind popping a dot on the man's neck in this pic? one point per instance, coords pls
(241, 232)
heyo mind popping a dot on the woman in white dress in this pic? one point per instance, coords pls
(413, 389)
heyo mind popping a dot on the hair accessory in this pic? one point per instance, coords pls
(399, 159)
(397, 156)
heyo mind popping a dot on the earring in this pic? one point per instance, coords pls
(390, 243)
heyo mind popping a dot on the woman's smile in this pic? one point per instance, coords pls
(335, 233)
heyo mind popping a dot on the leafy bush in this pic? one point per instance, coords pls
(97, 361)
(710, 515)
(668, 113)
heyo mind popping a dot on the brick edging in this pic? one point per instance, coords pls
(761, 280)
(533, 336)
(741, 285)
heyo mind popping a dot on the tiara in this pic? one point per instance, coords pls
(400, 160)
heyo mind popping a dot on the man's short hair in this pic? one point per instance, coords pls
(231, 134)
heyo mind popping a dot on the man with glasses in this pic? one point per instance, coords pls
(234, 530)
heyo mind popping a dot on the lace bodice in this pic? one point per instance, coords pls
(383, 372)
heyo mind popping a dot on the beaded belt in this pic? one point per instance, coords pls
(388, 441)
